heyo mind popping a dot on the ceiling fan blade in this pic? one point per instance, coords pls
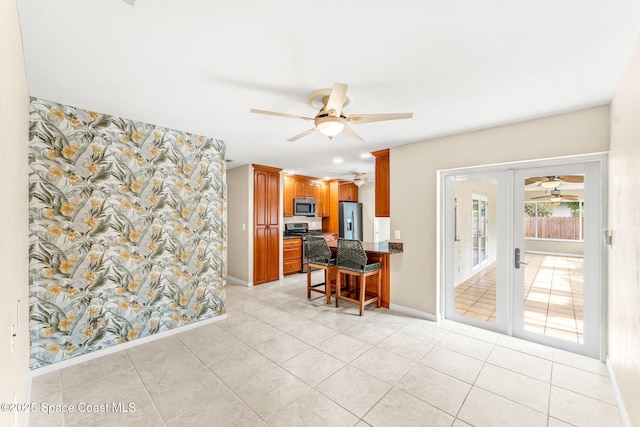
(541, 197)
(569, 197)
(531, 180)
(273, 113)
(347, 131)
(357, 119)
(302, 135)
(571, 178)
(337, 98)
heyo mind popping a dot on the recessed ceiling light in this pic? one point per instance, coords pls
(326, 178)
(337, 160)
(365, 155)
(290, 172)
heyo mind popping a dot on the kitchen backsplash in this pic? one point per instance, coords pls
(315, 223)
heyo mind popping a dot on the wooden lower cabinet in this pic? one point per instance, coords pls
(291, 255)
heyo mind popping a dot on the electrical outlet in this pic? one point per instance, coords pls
(396, 234)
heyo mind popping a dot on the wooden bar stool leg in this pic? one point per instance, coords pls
(379, 302)
(338, 289)
(327, 285)
(363, 292)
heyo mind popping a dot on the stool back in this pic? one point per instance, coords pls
(351, 255)
(318, 251)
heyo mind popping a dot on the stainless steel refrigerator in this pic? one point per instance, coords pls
(350, 225)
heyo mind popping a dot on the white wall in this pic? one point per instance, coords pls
(240, 223)
(14, 187)
(414, 208)
(367, 196)
(624, 221)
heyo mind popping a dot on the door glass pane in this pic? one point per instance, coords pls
(482, 231)
(475, 251)
(554, 250)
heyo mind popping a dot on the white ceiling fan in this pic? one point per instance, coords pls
(557, 196)
(330, 120)
(550, 182)
(359, 178)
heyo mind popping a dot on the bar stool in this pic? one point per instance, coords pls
(352, 261)
(319, 256)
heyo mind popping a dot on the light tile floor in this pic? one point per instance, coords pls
(281, 360)
(553, 296)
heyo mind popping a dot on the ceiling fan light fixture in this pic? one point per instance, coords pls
(555, 199)
(330, 126)
(549, 184)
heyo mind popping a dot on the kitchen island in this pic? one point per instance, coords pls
(378, 252)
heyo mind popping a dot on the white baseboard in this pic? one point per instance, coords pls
(413, 312)
(616, 392)
(240, 282)
(116, 348)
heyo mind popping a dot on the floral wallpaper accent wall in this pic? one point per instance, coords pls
(127, 230)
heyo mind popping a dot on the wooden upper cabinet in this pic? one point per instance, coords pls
(382, 184)
(322, 199)
(348, 192)
(303, 188)
(300, 187)
(287, 200)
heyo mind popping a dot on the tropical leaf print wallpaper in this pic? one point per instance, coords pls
(127, 230)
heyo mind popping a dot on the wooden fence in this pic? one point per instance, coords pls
(567, 228)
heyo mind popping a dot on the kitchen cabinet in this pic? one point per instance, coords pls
(300, 187)
(382, 184)
(266, 231)
(348, 192)
(304, 188)
(330, 222)
(287, 201)
(322, 199)
(291, 255)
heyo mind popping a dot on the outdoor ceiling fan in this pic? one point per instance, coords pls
(556, 196)
(553, 181)
(330, 120)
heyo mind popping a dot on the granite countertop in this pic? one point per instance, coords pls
(285, 237)
(376, 247)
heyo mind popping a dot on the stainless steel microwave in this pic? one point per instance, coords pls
(304, 207)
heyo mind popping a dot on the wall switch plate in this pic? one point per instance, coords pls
(396, 234)
(13, 335)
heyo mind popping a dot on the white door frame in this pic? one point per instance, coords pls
(445, 230)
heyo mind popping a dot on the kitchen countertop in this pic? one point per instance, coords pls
(376, 247)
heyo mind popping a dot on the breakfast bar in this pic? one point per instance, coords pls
(378, 252)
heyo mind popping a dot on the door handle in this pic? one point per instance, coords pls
(517, 259)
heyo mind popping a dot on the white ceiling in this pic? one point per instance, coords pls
(201, 65)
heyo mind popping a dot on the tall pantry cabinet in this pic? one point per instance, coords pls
(266, 223)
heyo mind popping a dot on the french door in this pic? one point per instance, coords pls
(522, 252)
